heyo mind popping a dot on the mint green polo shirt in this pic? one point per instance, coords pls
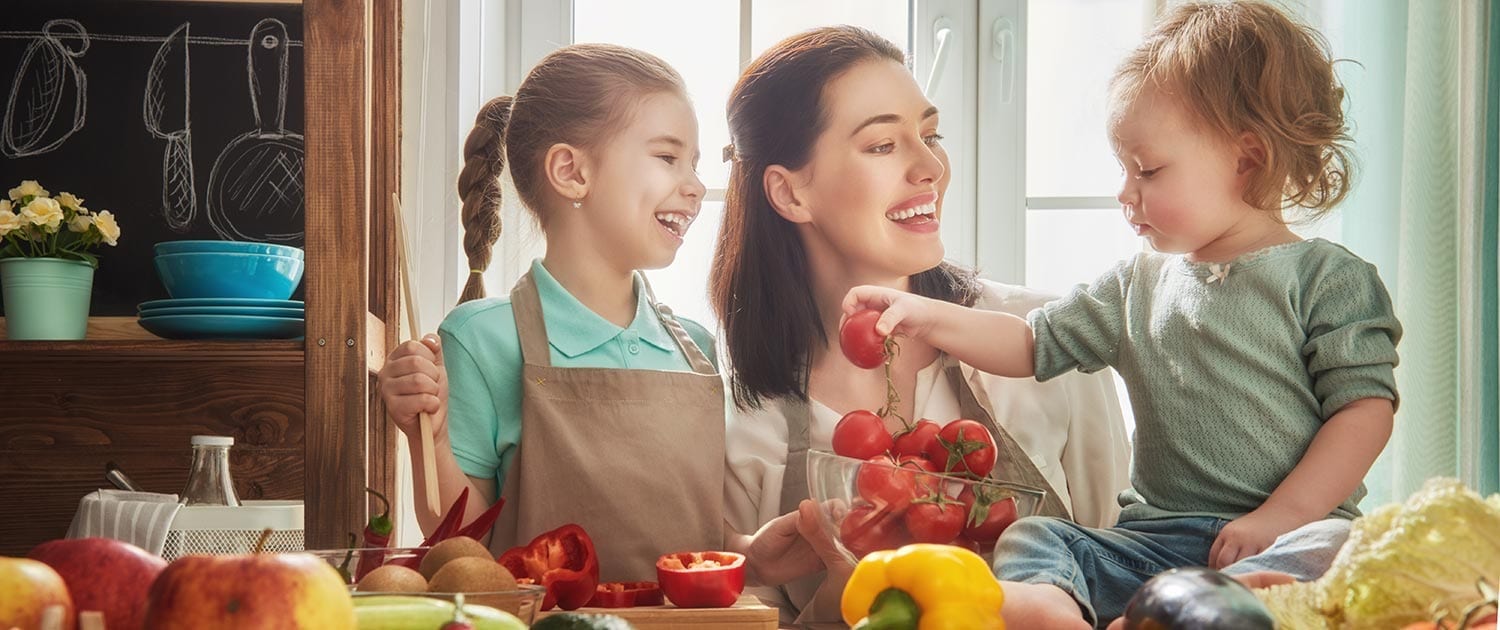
(482, 354)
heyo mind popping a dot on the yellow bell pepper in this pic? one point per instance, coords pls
(923, 587)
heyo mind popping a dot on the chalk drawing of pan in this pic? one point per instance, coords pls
(255, 192)
(48, 97)
(166, 106)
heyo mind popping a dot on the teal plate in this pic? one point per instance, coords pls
(257, 302)
(294, 313)
(222, 327)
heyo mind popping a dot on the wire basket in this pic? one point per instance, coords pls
(220, 530)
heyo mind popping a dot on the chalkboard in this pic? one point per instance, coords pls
(184, 119)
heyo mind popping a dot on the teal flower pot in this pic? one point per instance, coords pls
(46, 298)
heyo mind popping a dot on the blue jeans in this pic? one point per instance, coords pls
(1102, 568)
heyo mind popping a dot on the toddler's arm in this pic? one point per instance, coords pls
(994, 342)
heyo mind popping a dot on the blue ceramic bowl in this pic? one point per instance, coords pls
(238, 247)
(229, 275)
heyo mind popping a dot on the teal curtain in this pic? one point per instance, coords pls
(1422, 103)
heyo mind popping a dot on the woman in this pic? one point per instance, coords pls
(838, 180)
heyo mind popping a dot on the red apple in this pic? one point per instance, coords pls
(104, 574)
(27, 589)
(251, 591)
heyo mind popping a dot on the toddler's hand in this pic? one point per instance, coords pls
(903, 313)
(412, 381)
(1248, 535)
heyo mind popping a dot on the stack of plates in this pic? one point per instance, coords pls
(223, 318)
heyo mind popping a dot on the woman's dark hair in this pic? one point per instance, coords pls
(579, 95)
(759, 284)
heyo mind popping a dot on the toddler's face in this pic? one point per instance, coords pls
(1183, 185)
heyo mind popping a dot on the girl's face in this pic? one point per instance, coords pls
(873, 190)
(1183, 186)
(645, 191)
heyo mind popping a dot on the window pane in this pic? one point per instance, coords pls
(1072, 49)
(1068, 247)
(775, 20)
(683, 285)
(707, 55)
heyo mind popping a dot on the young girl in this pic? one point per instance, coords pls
(574, 395)
(1259, 364)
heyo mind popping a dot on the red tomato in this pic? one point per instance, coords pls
(626, 595)
(925, 483)
(887, 485)
(987, 513)
(915, 441)
(963, 447)
(935, 521)
(563, 560)
(861, 434)
(702, 579)
(861, 344)
(865, 530)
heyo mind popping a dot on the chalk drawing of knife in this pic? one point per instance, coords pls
(167, 100)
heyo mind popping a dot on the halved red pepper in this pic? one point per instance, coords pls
(626, 595)
(563, 560)
(702, 579)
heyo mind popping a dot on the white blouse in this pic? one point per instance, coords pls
(1070, 426)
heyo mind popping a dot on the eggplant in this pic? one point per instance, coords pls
(1196, 598)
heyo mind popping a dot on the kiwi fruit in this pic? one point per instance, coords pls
(450, 549)
(479, 579)
(393, 578)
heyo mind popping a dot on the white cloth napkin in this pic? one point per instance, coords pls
(139, 518)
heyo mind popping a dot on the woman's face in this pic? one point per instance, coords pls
(873, 189)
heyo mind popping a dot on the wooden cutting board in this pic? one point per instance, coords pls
(746, 614)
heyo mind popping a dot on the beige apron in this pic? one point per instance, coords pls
(1013, 465)
(636, 457)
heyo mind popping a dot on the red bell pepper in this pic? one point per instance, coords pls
(377, 537)
(626, 595)
(563, 560)
(702, 579)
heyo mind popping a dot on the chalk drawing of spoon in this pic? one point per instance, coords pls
(167, 91)
(46, 82)
(255, 192)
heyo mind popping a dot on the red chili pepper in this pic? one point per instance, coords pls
(563, 560)
(451, 521)
(626, 595)
(482, 525)
(702, 579)
(377, 536)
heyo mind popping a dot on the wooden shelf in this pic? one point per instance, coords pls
(157, 348)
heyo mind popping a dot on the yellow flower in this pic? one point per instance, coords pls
(44, 212)
(28, 187)
(104, 221)
(67, 200)
(9, 221)
(80, 223)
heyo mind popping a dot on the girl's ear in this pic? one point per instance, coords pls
(1252, 153)
(568, 170)
(781, 191)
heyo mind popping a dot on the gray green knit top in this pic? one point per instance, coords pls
(1231, 368)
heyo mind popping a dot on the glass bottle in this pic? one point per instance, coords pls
(208, 481)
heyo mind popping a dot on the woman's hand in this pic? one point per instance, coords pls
(902, 313)
(778, 553)
(413, 381)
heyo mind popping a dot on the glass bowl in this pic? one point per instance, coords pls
(866, 506)
(523, 601)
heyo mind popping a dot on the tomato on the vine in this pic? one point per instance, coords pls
(915, 440)
(867, 529)
(861, 344)
(988, 512)
(935, 519)
(887, 484)
(861, 434)
(963, 447)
